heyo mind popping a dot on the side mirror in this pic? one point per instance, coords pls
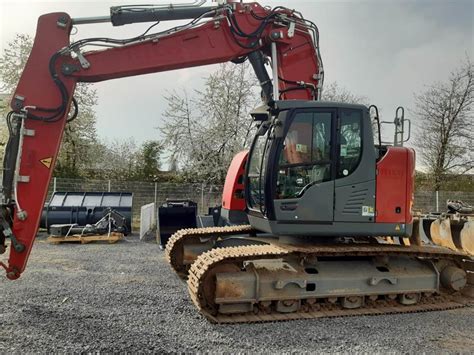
(261, 113)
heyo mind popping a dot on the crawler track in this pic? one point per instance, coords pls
(202, 269)
(174, 248)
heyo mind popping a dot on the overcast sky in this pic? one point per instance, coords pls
(384, 50)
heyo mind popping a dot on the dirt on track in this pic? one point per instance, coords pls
(124, 297)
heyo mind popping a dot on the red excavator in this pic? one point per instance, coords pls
(311, 207)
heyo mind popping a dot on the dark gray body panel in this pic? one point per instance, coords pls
(312, 206)
(334, 229)
(351, 199)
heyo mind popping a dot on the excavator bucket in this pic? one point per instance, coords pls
(440, 233)
(453, 234)
(466, 237)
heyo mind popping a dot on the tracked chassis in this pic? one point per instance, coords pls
(261, 279)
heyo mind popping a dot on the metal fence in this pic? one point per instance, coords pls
(435, 201)
(210, 195)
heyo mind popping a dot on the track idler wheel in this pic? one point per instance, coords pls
(453, 278)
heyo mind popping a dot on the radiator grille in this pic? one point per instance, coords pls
(355, 202)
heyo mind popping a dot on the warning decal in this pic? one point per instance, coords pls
(368, 211)
(47, 162)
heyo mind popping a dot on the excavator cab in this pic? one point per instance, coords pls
(312, 171)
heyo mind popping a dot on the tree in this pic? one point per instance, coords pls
(78, 147)
(80, 135)
(334, 92)
(445, 125)
(116, 160)
(204, 131)
(125, 160)
(149, 160)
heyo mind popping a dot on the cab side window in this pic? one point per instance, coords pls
(305, 158)
(350, 137)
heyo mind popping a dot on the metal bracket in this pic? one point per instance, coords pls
(68, 69)
(23, 178)
(28, 132)
(6, 231)
(84, 62)
(281, 284)
(291, 29)
(18, 101)
(374, 281)
(62, 22)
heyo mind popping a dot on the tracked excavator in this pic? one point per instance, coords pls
(313, 208)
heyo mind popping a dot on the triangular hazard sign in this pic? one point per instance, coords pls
(47, 162)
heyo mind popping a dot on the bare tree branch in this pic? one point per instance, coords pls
(445, 113)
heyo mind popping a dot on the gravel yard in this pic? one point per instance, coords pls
(124, 297)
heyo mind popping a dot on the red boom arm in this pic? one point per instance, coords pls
(210, 42)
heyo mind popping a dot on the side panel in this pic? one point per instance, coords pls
(233, 195)
(314, 206)
(393, 182)
(335, 229)
(355, 193)
(355, 202)
(410, 186)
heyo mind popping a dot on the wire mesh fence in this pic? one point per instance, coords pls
(207, 196)
(435, 201)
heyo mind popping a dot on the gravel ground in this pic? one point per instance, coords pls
(124, 297)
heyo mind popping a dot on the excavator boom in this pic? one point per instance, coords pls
(44, 95)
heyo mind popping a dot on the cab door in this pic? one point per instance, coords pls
(355, 170)
(304, 190)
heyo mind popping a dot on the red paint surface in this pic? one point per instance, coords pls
(410, 186)
(233, 194)
(38, 89)
(394, 188)
(209, 44)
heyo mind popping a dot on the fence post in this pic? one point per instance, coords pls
(202, 198)
(54, 184)
(109, 186)
(437, 201)
(156, 193)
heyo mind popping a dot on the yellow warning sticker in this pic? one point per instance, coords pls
(47, 162)
(397, 227)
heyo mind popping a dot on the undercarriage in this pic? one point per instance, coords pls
(235, 274)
